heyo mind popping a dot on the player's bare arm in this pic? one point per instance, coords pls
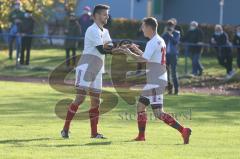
(137, 55)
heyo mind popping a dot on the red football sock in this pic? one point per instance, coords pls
(72, 109)
(94, 117)
(142, 120)
(168, 119)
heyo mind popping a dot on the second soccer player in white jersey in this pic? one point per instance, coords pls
(155, 58)
(89, 70)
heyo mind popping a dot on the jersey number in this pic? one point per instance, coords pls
(163, 61)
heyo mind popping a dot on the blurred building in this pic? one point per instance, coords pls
(203, 11)
(135, 9)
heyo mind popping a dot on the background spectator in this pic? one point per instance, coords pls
(223, 47)
(195, 37)
(172, 39)
(177, 27)
(85, 20)
(72, 30)
(236, 42)
(26, 30)
(15, 19)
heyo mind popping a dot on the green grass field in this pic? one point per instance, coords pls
(31, 129)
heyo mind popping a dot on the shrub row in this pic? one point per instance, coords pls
(125, 28)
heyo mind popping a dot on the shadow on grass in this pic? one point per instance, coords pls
(78, 145)
(97, 143)
(17, 141)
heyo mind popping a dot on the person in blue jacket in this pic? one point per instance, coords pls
(172, 39)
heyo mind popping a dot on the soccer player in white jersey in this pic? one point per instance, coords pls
(89, 70)
(155, 58)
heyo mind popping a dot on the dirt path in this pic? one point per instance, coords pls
(220, 90)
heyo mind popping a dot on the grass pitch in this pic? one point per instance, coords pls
(31, 129)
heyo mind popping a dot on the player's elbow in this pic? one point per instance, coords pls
(102, 51)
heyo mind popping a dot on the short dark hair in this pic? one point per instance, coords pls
(151, 21)
(98, 8)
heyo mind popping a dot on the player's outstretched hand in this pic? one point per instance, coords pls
(125, 50)
(135, 49)
(118, 50)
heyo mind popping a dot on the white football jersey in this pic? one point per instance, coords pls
(155, 54)
(95, 36)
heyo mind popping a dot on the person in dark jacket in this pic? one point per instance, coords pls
(26, 31)
(236, 42)
(223, 48)
(73, 30)
(85, 20)
(172, 39)
(194, 38)
(15, 18)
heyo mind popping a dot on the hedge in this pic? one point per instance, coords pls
(125, 28)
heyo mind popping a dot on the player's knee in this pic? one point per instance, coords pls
(144, 100)
(78, 101)
(141, 109)
(95, 102)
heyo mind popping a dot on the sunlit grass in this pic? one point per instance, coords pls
(31, 129)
